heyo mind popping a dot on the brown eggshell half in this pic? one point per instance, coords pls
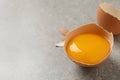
(89, 28)
(108, 17)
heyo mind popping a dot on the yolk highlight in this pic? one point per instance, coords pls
(88, 48)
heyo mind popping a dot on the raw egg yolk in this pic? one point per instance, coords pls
(88, 48)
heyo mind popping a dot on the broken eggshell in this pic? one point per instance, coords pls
(86, 29)
(108, 17)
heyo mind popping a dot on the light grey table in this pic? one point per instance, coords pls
(30, 28)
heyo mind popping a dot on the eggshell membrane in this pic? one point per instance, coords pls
(88, 29)
(108, 17)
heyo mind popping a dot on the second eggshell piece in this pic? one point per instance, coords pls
(108, 17)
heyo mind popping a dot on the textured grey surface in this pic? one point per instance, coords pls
(29, 30)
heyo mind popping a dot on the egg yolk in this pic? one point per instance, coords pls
(88, 48)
